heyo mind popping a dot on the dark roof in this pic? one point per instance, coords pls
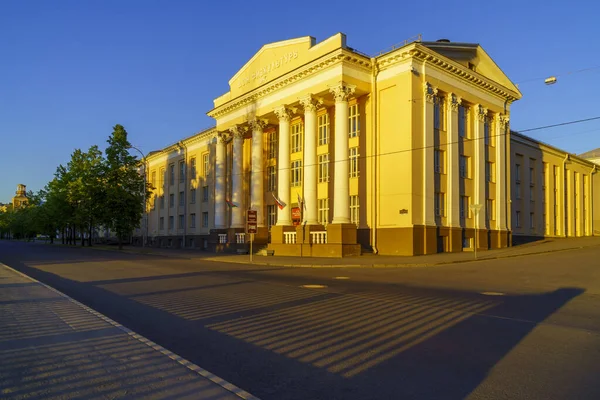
(591, 154)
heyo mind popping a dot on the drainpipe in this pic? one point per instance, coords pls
(564, 194)
(507, 180)
(185, 190)
(591, 197)
(374, 203)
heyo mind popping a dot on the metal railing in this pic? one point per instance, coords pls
(222, 238)
(411, 39)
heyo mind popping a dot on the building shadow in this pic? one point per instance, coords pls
(381, 341)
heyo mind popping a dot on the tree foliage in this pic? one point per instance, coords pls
(93, 191)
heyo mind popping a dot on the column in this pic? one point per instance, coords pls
(453, 169)
(220, 183)
(501, 198)
(237, 213)
(310, 159)
(257, 192)
(341, 187)
(479, 165)
(428, 144)
(283, 166)
(569, 203)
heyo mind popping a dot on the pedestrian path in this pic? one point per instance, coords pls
(53, 347)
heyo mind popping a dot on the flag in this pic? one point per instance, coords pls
(280, 203)
(301, 203)
(230, 204)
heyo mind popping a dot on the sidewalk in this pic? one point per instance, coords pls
(369, 260)
(53, 347)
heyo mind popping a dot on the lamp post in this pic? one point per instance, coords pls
(145, 219)
(475, 208)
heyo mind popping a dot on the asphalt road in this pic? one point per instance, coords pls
(524, 327)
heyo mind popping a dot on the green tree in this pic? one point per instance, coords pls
(125, 187)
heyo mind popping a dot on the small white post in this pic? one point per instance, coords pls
(251, 240)
(475, 208)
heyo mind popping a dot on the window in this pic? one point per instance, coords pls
(296, 173)
(440, 204)
(205, 193)
(154, 202)
(162, 202)
(171, 174)
(193, 196)
(192, 220)
(487, 137)
(438, 161)
(181, 199)
(353, 159)
(463, 115)
(439, 120)
(323, 168)
(517, 190)
(153, 180)
(162, 223)
(531, 193)
(205, 165)
(531, 176)
(354, 208)
(490, 209)
(205, 219)
(464, 207)
(163, 177)
(296, 138)
(517, 172)
(171, 200)
(490, 171)
(354, 122)
(193, 168)
(464, 167)
(323, 211)
(171, 222)
(532, 220)
(271, 215)
(518, 219)
(271, 179)
(181, 171)
(323, 124)
(272, 145)
(181, 222)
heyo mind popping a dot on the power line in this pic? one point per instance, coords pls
(561, 124)
(562, 74)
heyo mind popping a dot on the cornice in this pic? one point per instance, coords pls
(326, 61)
(202, 135)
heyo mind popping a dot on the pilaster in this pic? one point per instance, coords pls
(428, 143)
(453, 168)
(237, 213)
(479, 165)
(310, 158)
(257, 193)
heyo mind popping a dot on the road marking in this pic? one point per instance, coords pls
(342, 277)
(492, 293)
(188, 364)
(313, 286)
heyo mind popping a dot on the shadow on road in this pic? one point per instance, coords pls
(384, 341)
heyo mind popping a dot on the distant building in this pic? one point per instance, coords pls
(592, 156)
(20, 198)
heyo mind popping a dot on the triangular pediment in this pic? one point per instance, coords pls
(473, 56)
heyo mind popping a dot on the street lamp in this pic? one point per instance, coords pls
(145, 219)
(475, 208)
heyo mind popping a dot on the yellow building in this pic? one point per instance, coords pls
(20, 198)
(391, 153)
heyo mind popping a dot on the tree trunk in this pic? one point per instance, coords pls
(120, 242)
(90, 238)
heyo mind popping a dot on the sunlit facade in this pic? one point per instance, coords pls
(342, 153)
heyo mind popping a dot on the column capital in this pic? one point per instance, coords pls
(237, 131)
(309, 103)
(342, 91)
(258, 124)
(454, 101)
(481, 112)
(284, 113)
(429, 91)
(222, 137)
(503, 120)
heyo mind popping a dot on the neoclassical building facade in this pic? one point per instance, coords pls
(338, 152)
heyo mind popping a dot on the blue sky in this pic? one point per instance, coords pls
(70, 70)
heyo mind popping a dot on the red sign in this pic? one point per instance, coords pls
(252, 221)
(296, 216)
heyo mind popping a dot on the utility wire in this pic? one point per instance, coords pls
(562, 74)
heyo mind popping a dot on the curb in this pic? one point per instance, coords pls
(188, 364)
